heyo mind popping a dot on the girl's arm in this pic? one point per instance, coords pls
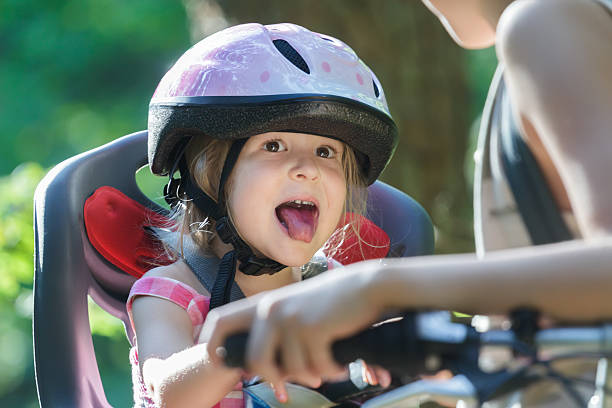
(568, 281)
(177, 372)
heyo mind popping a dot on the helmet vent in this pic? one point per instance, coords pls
(291, 54)
(376, 91)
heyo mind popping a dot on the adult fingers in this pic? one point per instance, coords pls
(294, 361)
(383, 376)
(321, 360)
(280, 391)
(263, 345)
(223, 321)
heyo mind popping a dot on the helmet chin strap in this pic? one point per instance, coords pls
(249, 263)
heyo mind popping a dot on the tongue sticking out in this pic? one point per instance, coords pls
(300, 221)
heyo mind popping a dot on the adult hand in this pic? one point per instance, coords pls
(298, 323)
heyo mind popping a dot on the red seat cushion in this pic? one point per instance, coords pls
(372, 243)
(115, 226)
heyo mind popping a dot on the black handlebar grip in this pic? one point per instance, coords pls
(392, 345)
(234, 350)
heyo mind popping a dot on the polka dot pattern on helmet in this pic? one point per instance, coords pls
(221, 65)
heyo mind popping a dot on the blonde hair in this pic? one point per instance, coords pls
(205, 159)
(356, 202)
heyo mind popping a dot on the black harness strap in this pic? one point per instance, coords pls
(205, 268)
(221, 292)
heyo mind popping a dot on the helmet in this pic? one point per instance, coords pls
(251, 79)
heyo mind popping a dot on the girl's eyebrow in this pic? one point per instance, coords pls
(335, 147)
(335, 144)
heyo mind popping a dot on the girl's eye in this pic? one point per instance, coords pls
(325, 152)
(274, 146)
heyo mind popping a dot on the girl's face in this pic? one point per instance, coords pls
(287, 194)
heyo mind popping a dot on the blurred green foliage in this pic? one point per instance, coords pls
(16, 249)
(76, 74)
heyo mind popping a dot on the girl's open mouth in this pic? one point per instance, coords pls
(300, 218)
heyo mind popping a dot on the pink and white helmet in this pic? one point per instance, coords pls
(251, 79)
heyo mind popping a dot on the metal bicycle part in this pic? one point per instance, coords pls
(408, 343)
(458, 390)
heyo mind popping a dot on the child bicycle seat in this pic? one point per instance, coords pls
(73, 261)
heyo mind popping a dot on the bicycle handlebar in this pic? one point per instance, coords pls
(398, 345)
(421, 343)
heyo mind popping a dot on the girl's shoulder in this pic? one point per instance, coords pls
(151, 296)
(178, 271)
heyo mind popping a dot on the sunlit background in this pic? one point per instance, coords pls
(77, 74)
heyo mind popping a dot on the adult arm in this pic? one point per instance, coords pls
(569, 281)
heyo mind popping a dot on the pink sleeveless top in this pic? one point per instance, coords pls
(196, 305)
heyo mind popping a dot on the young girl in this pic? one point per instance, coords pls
(276, 131)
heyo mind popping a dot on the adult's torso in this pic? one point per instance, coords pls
(519, 199)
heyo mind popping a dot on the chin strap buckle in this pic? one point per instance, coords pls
(253, 265)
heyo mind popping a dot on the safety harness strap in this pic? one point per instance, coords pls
(221, 291)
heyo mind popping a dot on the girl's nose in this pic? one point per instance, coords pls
(304, 168)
